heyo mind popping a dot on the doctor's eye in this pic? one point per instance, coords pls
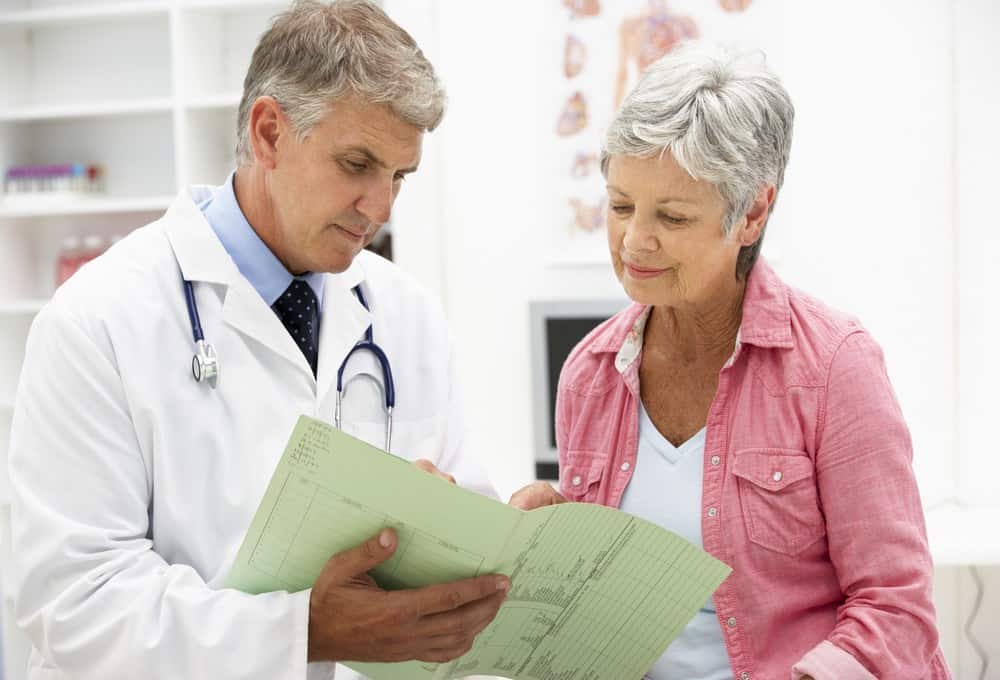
(355, 166)
(621, 209)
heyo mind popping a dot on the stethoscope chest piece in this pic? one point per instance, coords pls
(205, 364)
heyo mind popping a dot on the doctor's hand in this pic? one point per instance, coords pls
(536, 495)
(352, 619)
(430, 467)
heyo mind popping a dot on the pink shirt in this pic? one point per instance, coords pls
(808, 491)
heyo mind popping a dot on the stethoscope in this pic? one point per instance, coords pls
(205, 362)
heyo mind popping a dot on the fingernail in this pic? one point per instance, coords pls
(385, 538)
(503, 584)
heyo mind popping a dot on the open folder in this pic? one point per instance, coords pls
(596, 593)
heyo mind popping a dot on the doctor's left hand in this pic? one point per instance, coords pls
(430, 467)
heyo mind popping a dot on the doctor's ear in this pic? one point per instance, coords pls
(268, 125)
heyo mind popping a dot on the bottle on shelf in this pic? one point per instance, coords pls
(76, 252)
(66, 180)
(93, 246)
(66, 263)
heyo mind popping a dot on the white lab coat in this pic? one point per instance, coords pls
(133, 486)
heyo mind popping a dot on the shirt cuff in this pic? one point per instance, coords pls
(300, 637)
(826, 661)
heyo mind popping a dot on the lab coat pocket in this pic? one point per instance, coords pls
(779, 499)
(580, 475)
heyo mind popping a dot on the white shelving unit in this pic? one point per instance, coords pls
(146, 88)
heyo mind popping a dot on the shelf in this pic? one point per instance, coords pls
(220, 101)
(21, 307)
(91, 206)
(81, 12)
(92, 110)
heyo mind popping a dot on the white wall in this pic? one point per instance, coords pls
(977, 102)
(869, 204)
(884, 214)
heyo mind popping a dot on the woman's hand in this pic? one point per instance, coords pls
(431, 468)
(536, 495)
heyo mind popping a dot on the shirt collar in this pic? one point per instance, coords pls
(766, 320)
(253, 258)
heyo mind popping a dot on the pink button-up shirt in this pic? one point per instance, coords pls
(808, 491)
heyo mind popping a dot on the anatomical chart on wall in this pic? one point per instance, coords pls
(604, 46)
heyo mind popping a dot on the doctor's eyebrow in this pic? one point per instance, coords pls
(372, 158)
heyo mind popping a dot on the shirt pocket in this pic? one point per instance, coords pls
(779, 499)
(580, 475)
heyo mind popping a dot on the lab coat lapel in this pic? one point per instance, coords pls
(202, 258)
(342, 325)
(246, 311)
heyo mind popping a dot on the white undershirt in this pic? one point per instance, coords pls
(666, 489)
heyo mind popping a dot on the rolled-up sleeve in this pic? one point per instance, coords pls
(875, 527)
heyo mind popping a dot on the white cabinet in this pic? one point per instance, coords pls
(148, 89)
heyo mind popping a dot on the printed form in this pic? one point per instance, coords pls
(597, 594)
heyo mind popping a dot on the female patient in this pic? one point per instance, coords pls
(738, 412)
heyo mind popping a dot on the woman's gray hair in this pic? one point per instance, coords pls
(315, 53)
(724, 117)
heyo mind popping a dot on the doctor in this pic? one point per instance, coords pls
(133, 483)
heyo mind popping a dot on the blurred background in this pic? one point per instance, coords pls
(109, 107)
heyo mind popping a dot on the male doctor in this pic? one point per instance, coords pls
(133, 484)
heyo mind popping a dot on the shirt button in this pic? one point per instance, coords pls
(744, 676)
(625, 466)
(576, 480)
(731, 622)
(716, 460)
(776, 476)
(712, 512)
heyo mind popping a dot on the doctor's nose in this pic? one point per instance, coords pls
(376, 203)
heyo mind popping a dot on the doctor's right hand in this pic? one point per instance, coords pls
(352, 619)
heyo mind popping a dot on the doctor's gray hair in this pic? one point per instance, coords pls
(315, 53)
(723, 116)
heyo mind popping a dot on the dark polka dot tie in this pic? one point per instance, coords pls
(298, 309)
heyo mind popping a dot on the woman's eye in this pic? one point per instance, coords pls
(621, 209)
(354, 166)
(673, 219)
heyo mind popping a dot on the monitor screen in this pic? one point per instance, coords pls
(556, 328)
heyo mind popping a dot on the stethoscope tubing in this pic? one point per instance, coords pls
(206, 355)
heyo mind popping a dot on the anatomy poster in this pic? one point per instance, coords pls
(603, 47)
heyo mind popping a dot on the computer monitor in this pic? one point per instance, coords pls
(556, 328)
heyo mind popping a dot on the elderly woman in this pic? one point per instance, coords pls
(738, 412)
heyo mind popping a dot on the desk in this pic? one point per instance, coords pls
(967, 536)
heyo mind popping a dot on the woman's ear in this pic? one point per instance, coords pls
(756, 217)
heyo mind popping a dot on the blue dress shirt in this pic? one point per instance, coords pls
(253, 258)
